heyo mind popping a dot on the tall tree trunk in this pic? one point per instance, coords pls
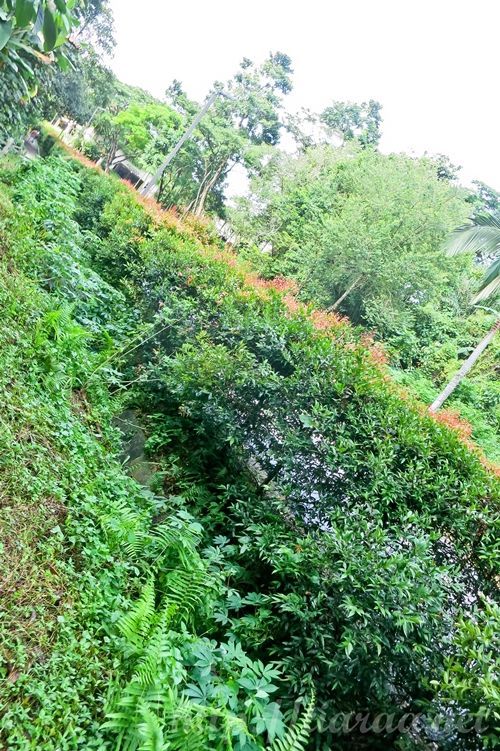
(192, 205)
(207, 187)
(468, 364)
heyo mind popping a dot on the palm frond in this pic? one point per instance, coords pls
(487, 220)
(474, 239)
(483, 239)
(488, 291)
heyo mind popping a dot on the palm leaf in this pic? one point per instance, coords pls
(474, 239)
(490, 290)
(482, 238)
(492, 274)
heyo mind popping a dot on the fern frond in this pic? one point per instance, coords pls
(235, 726)
(171, 540)
(188, 591)
(158, 650)
(187, 725)
(136, 624)
(150, 731)
(165, 534)
(136, 544)
(126, 717)
(178, 536)
(297, 736)
(122, 522)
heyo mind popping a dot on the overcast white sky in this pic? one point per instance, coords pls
(433, 64)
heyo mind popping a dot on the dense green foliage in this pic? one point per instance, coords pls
(106, 588)
(243, 121)
(305, 531)
(360, 231)
(354, 121)
(363, 232)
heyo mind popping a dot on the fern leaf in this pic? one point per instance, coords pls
(158, 650)
(177, 536)
(124, 524)
(136, 544)
(297, 736)
(188, 591)
(150, 731)
(186, 725)
(136, 624)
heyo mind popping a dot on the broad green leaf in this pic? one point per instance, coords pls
(49, 31)
(63, 63)
(5, 32)
(25, 12)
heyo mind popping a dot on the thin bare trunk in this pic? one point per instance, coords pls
(466, 367)
(344, 295)
(203, 194)
(194, 202)
(8, 146)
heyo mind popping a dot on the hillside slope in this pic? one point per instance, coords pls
(299, 529)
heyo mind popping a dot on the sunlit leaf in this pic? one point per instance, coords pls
(25, 12)
(49, 31)
(5, 32)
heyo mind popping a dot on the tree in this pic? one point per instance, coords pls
(483, 239)
(147, 131)
(248, 116)
(485, 200)
(144, 133)
(354, 226)
(97, 26)
(353, 121)
(78, 93)
(445, 169)
(108, 137)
